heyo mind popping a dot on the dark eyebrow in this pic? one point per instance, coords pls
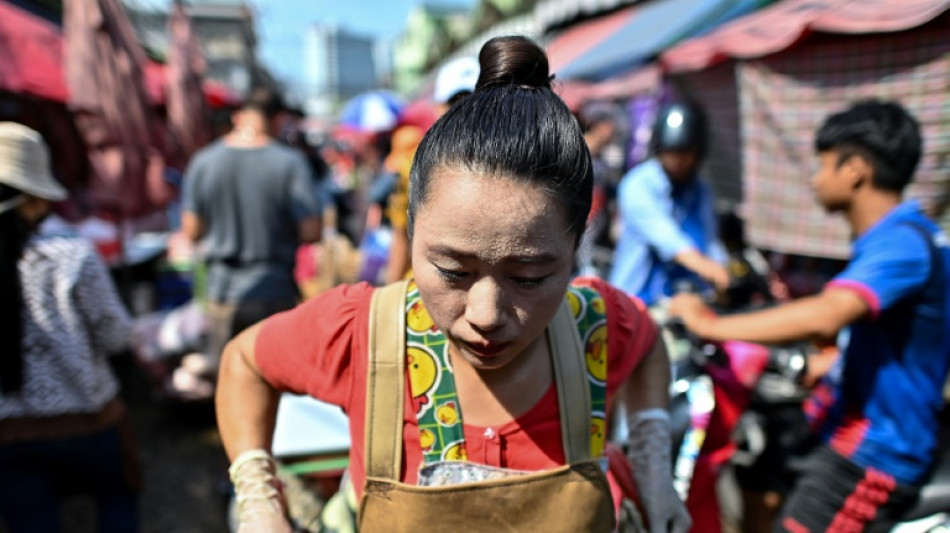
(528, 259)
(533, 259)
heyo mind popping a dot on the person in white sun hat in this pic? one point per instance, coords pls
(24, 167)
(61, 419)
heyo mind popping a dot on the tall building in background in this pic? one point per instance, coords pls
(337, 65)
(383, 53)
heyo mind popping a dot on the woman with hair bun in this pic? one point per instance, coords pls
(478, 392)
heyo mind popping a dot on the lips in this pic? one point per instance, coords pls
(485, 350)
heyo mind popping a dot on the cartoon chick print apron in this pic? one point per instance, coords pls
(452, 492)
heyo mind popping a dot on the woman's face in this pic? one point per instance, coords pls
(492, 258)
(33, 210)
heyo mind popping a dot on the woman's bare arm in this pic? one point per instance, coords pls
(245, 403)
(648, 387)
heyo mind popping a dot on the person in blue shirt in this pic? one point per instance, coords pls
(667, 218)
(876, 410)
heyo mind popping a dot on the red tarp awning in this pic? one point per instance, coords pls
(642, 80)
(216, 93)
(782, 24)
(126, 143)
(187, 108)
(33, 62)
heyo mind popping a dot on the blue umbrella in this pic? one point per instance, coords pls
(372, 111)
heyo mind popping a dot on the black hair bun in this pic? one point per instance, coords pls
(513, 60)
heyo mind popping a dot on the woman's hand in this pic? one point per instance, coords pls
(646, 398)
(649, 455)
(259, 494)
(265, 523)
(246, 407)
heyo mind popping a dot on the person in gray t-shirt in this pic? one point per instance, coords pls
(251, 201)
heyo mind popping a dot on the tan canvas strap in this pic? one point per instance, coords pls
(573, 390)
(385, 382)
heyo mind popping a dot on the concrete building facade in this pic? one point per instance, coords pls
(226, 31)
(338, 65)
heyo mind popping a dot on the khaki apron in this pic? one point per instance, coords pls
(575, 497)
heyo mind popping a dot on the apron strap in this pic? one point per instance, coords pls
(385, 382)
(573, 389)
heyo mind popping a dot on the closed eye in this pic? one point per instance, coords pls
(530, 283)
(451, 276)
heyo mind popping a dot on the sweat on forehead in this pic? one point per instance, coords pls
(492, 215)
(467, 172)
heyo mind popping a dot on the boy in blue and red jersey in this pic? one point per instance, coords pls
(877, 409)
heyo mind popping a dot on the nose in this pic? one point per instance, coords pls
(485, 305)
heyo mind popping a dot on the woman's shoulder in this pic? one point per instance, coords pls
(347, 292)
(341, 303)
(309, 349)
(612, 296)
(63, 248)
(631, 332)
(340, 311)
(63, 241)
(626, 314)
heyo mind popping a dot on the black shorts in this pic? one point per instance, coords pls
(839, 496)
(789, 441)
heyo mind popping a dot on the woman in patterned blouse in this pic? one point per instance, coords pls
(60, 414)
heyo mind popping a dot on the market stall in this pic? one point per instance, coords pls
(777, 86)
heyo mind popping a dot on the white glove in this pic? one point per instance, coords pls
(259, 494)
(649, 454)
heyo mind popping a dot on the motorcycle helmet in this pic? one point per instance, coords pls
(679, 126)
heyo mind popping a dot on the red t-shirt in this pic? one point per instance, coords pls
(320, 349)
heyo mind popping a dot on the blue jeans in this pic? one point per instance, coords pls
(35, 476)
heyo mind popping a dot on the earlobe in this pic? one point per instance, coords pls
(859, 171)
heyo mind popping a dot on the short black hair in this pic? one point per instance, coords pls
(265, 101)
(14, 235)
(514, 126)
(882, 133)
(595, 113)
